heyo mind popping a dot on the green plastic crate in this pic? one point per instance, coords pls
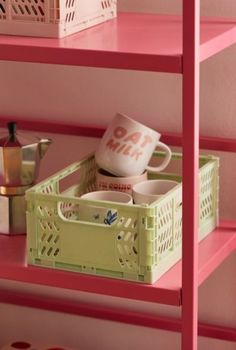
(143, 243)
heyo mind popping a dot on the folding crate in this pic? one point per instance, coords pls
(53, 18)
(142, 244)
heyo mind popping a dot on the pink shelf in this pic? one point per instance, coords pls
(117, 314)
(212, 251)
(132, 41)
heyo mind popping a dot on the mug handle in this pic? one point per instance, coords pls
(165, 162)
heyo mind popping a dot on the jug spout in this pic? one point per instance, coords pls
(43, 146)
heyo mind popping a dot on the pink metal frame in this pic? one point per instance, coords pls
(191, 45)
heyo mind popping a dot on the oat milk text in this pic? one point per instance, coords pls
(129, 144)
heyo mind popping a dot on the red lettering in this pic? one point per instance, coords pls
(147, 139)
(102, 185)
(136, 154)
(112, 145)
(121, 148)
(119, 187)
(127, 150)
(119, 132)
(134, 137)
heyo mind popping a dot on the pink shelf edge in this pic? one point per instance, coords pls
(217, 34)
(173, 139)
(217, 44)
(214, 249)
(137, 318)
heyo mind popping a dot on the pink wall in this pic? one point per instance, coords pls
(95, 95)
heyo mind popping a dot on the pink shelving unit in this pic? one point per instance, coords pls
(131, 41)
(176, 45)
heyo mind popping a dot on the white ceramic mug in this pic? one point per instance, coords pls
(147, 192)
(109, 182)
(99, 214)
(127, 147)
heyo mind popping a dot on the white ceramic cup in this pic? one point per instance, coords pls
(127, 147)
(147, 192)
(109, 182)
(99, 214)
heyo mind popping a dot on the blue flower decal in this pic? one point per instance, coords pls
(111, 217)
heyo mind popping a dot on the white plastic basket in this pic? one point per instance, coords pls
(53, 18)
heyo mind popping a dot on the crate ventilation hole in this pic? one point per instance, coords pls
(2, 9)
(164, 224)
(49, 243)
(49, 233)
(106, 4)
(206, 203)
(31, 9)
(70, 6)
(127, 249)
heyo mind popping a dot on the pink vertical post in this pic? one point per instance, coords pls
(191, 23)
